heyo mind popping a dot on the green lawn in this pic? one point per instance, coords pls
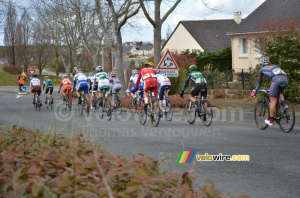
(7, 79)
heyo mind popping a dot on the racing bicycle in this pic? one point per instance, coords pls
(203, 110)
(151, 110)
(135, 102)
(167, 107)
(284, 116)
(82, 106)
(105, 106)
(49, 102)
(118, 102)
(37, 103)
(67, 102)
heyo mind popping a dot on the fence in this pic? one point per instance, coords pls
(244, 80)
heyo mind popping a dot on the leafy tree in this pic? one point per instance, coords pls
(282, 45)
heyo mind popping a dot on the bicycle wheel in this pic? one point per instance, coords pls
(208, 114)
(261, 113)
(169, 110)
(132, 106)
(82, 106)
(155, 117)
(286, 116)
(36, 103)
(47, 103)
(108, 110)
(51, 103)
(118, 105)
(39, 105)
(142, 114)
(190, 112)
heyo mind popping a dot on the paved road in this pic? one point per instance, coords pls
(273, 169)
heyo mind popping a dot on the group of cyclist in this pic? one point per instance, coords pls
(150, 79)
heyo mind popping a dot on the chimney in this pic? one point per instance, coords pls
(238, 17)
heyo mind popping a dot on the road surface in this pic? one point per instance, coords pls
(273, 169)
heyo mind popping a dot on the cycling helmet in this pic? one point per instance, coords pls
(112, 75)
(78, 71)
(192, 68)
(157, 71)
(99, 69)
(46, 77)
(34, 76)
(91, 74)
(135, 71)
(65, 76)
(264, 61)
(149, 64)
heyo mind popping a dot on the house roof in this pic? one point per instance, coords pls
(146, 48)
(127, 49)
(210, 34)
(270, 10)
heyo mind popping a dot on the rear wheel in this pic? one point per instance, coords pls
(261, 113)
(108, 110)
(118, 105)
(81, 106)
(155, 116)
(287, 116)
(142, 114)
(132, 106)
(169, 110)
(208, 114)
(190, 112)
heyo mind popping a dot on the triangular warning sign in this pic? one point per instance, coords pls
(31, 71)
(167, 62)
(23, 74)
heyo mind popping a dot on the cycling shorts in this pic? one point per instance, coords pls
(141, 87)
(278, 84)
(199, 88)
(117, 87)
(49, 89)
(83, 86)
(36, 88)
(151, 82)
(161, 91)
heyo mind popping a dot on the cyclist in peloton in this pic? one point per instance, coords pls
(132, 80)
(279, 82)
(164, 83)
(103, 82)
(67, 85)
(81, 79)
(199, 87)
(92, 87)
(116, 87)
(149, 76)
(35, 86)
(49, 88)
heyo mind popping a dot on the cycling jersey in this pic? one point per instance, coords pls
(81, 79)
(67, 85)
(200, 84)
(35, 82)
(277, 77)
(103, 81)
(93, 84)
(164, 83)
(47, 83)
(150, 80)
(133, 80)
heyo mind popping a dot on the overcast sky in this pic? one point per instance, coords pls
(193, 10)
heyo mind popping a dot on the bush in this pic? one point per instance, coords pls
(12, 70)
(35, 164)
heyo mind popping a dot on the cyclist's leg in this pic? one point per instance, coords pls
(46, 93)
(194, 92)
(51, 91)
(274, 94)
(87, 94)
(131, 91)
(204, 94)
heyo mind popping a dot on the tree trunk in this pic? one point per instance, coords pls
(119, 62)
(157, 41)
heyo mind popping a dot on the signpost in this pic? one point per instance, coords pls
(167, 65)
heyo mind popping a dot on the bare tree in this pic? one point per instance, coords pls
(118, 12)
(23, 40)
(42, 45)
(168, 32)
(9, 33)
(157, 22)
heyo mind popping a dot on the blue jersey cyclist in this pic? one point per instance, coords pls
(132, 82)
(279, 82)
(164, 84)
(82, 81)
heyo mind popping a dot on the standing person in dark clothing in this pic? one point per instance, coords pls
(21, 82)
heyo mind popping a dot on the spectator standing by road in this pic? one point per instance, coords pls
(21, 82)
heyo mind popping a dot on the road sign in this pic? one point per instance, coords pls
(167, 62)
(167, 65)
(23, 74)
(31, 71)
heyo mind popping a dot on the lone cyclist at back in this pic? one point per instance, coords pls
(279, 82)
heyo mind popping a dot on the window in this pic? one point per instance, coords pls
(243, 47)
